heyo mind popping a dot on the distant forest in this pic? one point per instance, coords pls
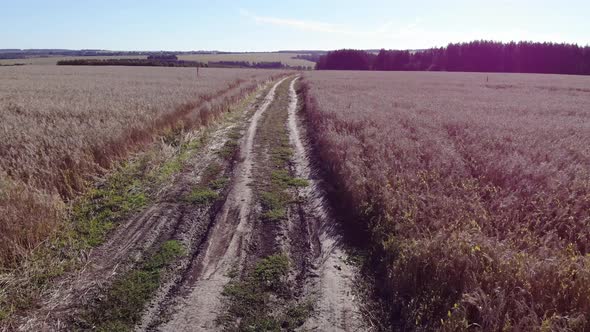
(476, 56)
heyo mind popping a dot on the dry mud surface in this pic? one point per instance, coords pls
(224, 238)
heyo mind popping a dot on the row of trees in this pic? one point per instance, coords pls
(480, 56)
(130, 62)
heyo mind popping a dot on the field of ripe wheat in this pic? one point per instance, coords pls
(59, 126)
(473, 192)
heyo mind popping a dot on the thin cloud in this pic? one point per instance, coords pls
(294, 23)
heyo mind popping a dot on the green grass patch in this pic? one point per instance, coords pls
(296, 316)
(169, 168)
(229, 149)
(275, 215)
(202, 195)
(211, 172)
(219, 183)
(284, 179)
(102, 208)
(235, 134)
(271, 272)
(274, 205)
(126, 191)
(253, 301)
(282, 154)
(124, 302)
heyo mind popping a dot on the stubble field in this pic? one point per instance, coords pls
(59, 126)
(473, 192)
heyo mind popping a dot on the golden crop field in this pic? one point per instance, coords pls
(60, 125)
(471, 189)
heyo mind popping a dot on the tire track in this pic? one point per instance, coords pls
(330, 281)
(225, 248)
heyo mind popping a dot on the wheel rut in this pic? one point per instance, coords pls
(330, 278)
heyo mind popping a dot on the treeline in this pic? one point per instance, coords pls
(476, 56)
(154, 62)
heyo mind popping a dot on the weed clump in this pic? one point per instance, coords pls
(202, 196)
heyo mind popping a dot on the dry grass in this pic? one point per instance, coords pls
(60, 126)
(475, 194)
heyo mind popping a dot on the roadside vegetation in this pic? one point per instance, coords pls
(473, 196)
(127, 189)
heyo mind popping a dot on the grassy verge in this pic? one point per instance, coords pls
(128, 189)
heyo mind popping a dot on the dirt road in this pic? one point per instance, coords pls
(228, 237)
(225, 247)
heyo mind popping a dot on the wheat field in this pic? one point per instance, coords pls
(61, 125)
(473, 192)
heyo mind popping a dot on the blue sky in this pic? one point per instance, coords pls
(278, 25)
